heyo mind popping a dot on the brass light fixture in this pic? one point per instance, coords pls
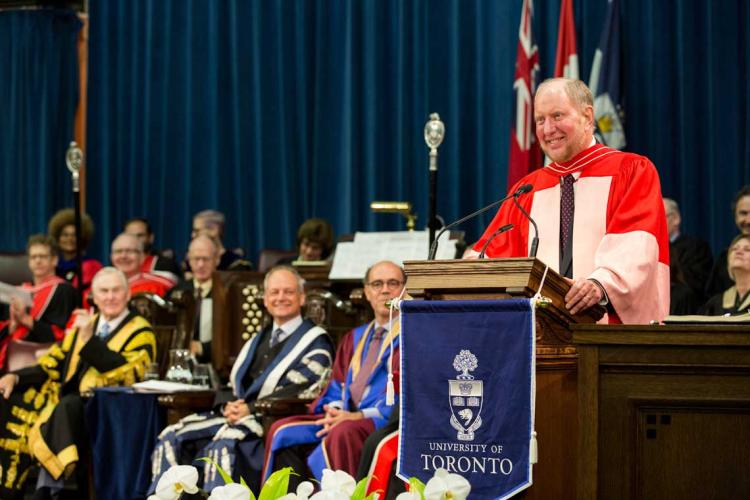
(396, 207)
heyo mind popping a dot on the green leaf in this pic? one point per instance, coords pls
(417, 486)
(226, 477)
(277, 485)
(359, 490)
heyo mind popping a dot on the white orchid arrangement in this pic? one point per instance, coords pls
(335, 485)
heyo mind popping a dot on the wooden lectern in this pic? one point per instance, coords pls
(556, 359)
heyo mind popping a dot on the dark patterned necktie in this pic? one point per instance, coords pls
(567, 212)
(275, 337)
(368, 365)
(197, 315)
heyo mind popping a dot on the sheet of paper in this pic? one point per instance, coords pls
(7, 292)
(166, 386)
(353, 258)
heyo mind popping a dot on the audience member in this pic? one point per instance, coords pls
(682, 298)
(203, 256)
(41, 406)
(719, 279)
(53, 299)
(283, 360)
(354, 403)
(736, 298)
(127, 256)
(314, 241)
(62, 227)
(691, 254)
(211, 223)
(154, 262)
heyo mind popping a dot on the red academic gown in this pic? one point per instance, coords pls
(619, 229)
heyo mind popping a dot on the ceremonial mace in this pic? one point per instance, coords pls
(73, 159)
(434, 131)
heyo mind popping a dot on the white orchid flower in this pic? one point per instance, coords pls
(409, 495)
(176, 480)
(328, 495)
(335, 485)
(446, 486)
(231, 491)
(304, 490)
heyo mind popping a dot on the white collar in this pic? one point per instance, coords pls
(288, 328)
(113, 323)
(204, 287)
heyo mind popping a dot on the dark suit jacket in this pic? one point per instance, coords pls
(189, 287)
(694, 257)
(719, 280)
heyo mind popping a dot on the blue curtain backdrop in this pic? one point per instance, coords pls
(38, 98)
(275, 111)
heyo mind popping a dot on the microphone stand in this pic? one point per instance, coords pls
(434, 132)
(535, 239)
(433, 248)
(500, 231)
(73, 160)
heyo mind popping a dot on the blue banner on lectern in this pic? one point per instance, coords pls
(467, 392)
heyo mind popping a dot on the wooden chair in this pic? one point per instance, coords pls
(169, 320)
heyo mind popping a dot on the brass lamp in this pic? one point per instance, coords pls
(396, 207)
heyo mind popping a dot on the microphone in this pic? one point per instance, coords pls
(521, 190)
(535, 240)
(500, 231)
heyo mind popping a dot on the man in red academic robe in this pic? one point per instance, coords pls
(599, 211)
(53, 299)
(154, 261)
(127, 256)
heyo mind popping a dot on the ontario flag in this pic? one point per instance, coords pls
(525, 154)
(566, 59)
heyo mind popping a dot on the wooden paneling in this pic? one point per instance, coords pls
(664, 411)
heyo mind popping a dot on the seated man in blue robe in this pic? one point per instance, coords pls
(354, 404)
(283, 360)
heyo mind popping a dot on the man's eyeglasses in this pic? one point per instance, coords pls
(391, 284)
(121, 251)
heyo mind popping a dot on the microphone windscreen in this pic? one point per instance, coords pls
(524, 189)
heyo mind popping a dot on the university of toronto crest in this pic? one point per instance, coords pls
(465, 397)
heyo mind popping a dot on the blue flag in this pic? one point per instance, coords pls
(467, 392)
(605, 82)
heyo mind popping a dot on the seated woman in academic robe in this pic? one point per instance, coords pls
(736, 299)
(52, 300)
(283, 360)
(41, 408)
